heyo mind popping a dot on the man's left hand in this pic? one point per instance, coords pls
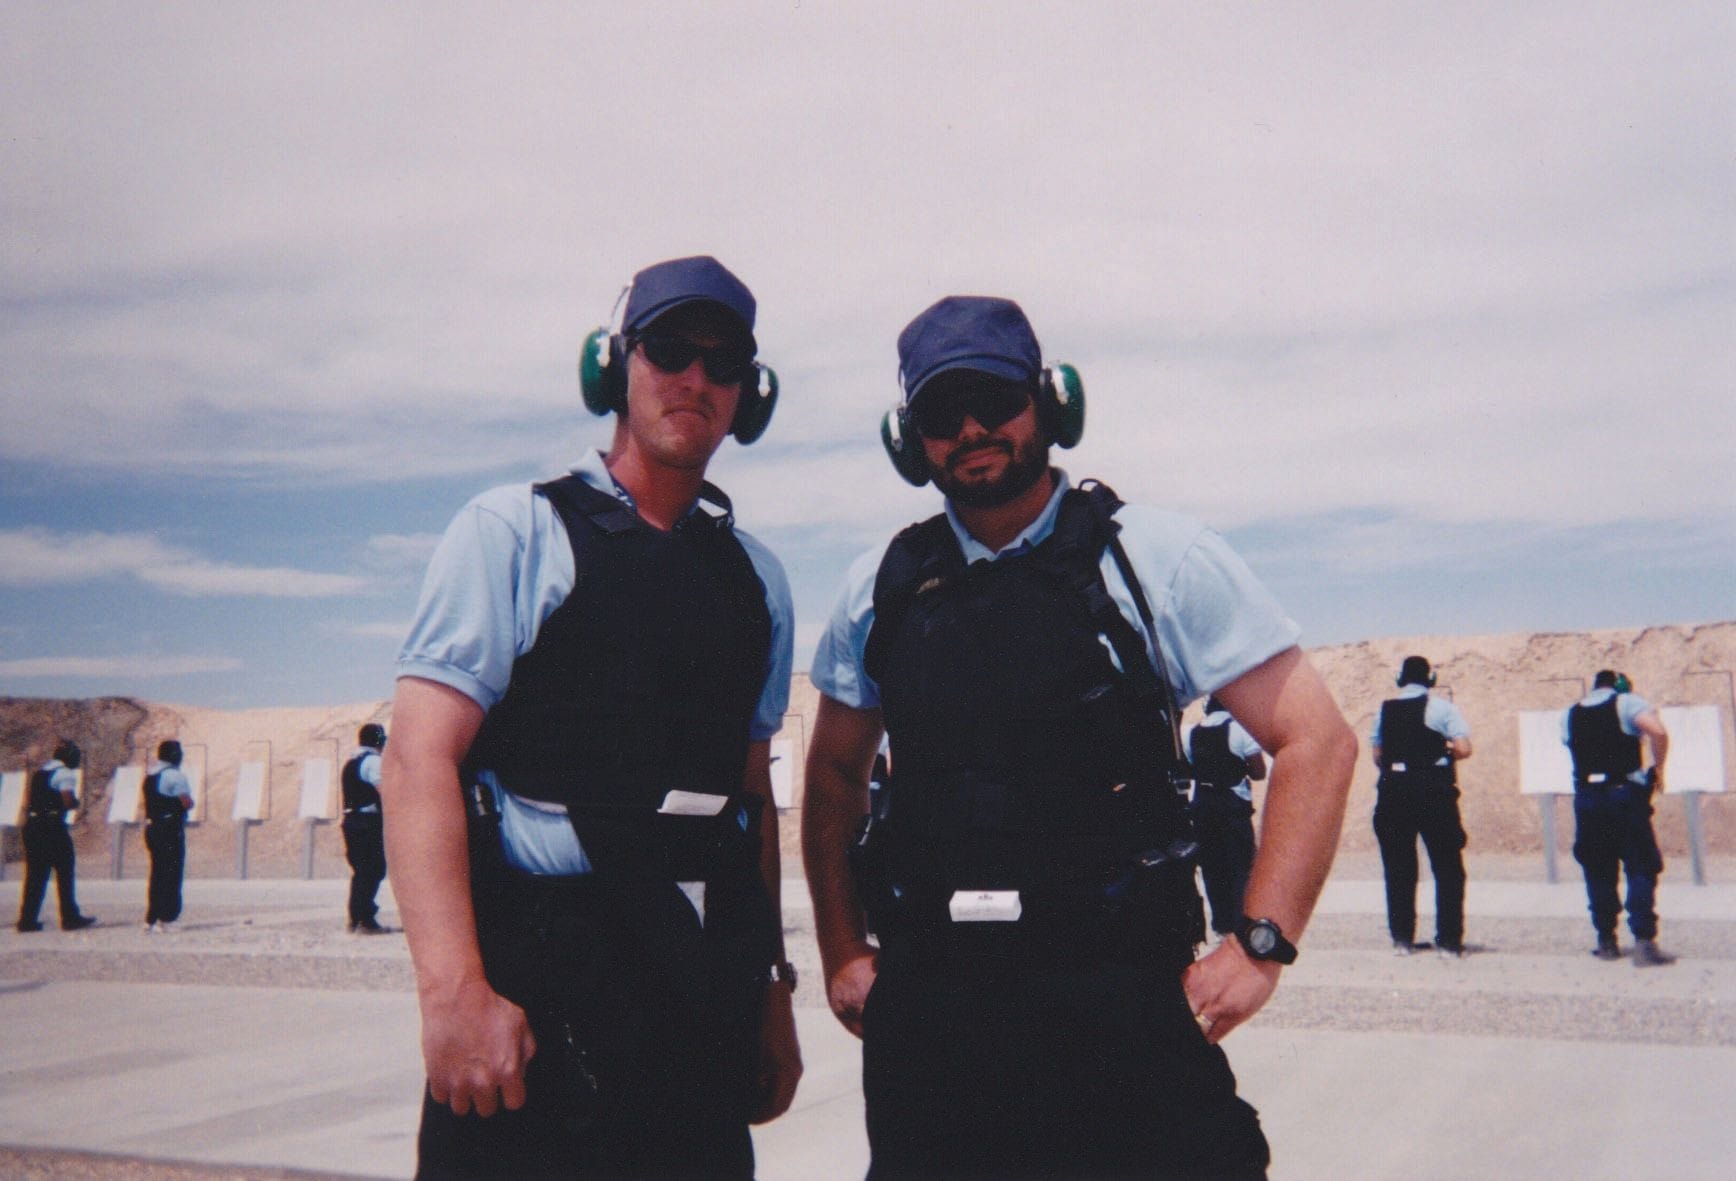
(780, 1064)
(1227, 987)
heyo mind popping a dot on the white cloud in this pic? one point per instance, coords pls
(401, 552)
(36, 557)
(112, 667)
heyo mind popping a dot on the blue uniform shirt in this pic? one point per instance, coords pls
(1439, 715)
(1242, 745)
(1215, 619)
(62, 778)
(1627, 707)
(503, 566)
(172, 781)
(368, 771)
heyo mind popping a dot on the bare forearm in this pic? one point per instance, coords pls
(1304, 813)
(428, 850)
(834, 808)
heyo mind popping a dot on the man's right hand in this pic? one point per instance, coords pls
(475, 1044)
(847, 990)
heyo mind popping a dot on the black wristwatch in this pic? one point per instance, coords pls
(1262, 939)
(785, 972)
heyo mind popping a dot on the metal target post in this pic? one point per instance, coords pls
(1546, 803)
(1691, 799)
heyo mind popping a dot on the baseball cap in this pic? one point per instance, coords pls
(662, 287)
(976, 332)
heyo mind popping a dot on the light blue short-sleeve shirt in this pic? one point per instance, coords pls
(1242, 745)
(1439, 715)
(1628, 707)
(1214, 619)
(172, 781)
(502, 567)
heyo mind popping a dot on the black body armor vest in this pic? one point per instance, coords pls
(1406, 741)
(44, 800)
(358, 792)
(643, 681)
(1022, 757)
(1598, 743)
(160, 806)
(1213, 763)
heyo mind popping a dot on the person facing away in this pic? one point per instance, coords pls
(577, 793)
(1225, 759)
(1033, 1007)
(1612, 811)
(364, 830)
(52, 793)
(1418, 741)
(168, 800)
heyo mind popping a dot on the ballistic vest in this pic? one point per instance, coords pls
(1214, 764)
(1598, 743)
(1410, 752)
(159, 805)
(643, 681)
(1022, 757)
(358, 792)
(44, 800)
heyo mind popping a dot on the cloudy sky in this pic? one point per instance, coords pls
(1432, 310)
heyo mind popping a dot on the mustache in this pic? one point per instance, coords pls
(963, 455)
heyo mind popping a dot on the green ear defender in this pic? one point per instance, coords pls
(1063, 405)
(602, 372)
(753, 411)
(603, 385)
(904, 447)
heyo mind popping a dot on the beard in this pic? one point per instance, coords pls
(1026, 465)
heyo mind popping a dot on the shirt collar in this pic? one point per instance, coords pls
(1032, 535)
(1598, 696)
(593, 471)
(1413, 690)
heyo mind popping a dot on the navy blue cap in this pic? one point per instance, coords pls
(662, 287)
(968, 332)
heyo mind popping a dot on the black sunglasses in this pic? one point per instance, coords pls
(941, 415)
(726, 364)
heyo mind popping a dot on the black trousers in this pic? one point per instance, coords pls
(1223, 824)
(664, 1014)
(167, 842)
(47, 850)
(1076, 1070)
(1401, 815)
(365, 849)
(1613, 833)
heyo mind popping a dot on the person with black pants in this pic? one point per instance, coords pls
(47, 845)
(1612, 811)
(1418, 740)
(364, 830)
(168, 799)
(1225, 758)
(577, 794)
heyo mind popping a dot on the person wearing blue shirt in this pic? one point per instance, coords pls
(1225, 760)
(577, 793)
(53, 792)
(1033, 1006)
(168, 799)
(1612, 811)
(364, 830)
(1418, 741)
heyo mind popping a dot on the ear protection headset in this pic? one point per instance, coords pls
(1060, 399)
(1401, 682)
(603, 385)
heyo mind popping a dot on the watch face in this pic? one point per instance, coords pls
(1262, 939)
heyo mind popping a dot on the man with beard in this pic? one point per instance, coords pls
(1033, 1007)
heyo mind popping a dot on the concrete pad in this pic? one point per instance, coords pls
(1347, 1105)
